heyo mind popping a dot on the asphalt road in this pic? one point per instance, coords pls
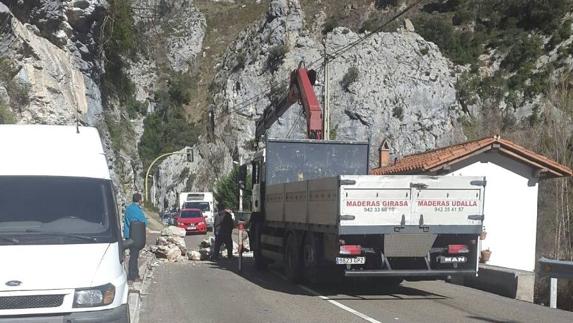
(216, 292)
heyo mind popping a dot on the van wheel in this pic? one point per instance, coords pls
(293, 266)
(310, 255)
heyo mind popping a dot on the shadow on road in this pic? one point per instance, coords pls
(265, 279)
(345, 289)
(374, 289)
(485, 319)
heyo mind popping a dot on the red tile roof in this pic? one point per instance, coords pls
(433, 160)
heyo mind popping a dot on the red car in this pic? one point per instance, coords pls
(192, 220)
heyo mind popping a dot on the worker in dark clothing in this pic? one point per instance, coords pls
(223, 231)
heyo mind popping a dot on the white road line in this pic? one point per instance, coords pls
(342, 306)
(331, 301)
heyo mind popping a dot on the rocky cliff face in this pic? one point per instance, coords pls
(403, 90)
(393, 85)
(52, 63)
(171, 35)
(51, 69)
(56, 75)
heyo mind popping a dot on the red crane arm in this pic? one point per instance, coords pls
(304, 92)
(300, 90)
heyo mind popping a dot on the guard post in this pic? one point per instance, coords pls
(555, 269)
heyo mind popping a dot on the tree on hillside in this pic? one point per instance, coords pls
(227, 191)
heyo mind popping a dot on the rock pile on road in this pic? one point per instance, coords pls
(173, 231)
(171, 245)
(205, 249)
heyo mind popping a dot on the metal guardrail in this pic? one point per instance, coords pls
(555, 269)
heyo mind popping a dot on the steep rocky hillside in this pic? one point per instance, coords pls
(51, 66)
(109, 64)
(395, 85)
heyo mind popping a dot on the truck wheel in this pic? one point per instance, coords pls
(260, 262)
(310, 256)
(293, 266)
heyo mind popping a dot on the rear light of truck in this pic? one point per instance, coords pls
(458, 248)
(351, 250)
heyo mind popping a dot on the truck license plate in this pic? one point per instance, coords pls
(350, 261)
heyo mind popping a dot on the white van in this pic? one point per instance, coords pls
(199, 200)
(61, 250)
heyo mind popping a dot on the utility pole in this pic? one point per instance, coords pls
(326, 112)
(240, 191)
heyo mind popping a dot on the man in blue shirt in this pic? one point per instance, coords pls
(133, 213)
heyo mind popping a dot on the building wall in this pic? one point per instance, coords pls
(510, 208)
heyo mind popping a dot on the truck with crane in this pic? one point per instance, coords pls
(316, 210)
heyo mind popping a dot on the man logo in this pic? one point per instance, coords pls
(13, 283)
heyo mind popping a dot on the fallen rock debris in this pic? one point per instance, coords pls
(173, 231)
(194, 255)
(171, 245)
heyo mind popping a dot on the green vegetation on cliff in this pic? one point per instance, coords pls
(167, 128)
(119, 43)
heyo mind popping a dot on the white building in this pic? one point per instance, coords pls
(512, 173)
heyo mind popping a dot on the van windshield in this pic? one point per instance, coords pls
(56, 210)
(203, 206)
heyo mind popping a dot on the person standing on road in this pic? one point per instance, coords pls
(133, 213)
(223, 232)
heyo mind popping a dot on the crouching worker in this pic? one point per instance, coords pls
(223, 231)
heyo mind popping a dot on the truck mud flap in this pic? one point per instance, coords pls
(407, 273)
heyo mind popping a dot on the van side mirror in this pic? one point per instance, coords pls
(137, 236)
